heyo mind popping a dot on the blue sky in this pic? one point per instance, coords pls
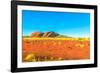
(65, 23)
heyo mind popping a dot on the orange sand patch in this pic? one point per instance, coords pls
(52, 49)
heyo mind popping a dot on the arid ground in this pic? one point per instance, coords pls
(54, 49)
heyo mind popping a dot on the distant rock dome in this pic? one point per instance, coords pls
(46, 34)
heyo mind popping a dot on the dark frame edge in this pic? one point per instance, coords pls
(52, 4)
(96, 36)
(13, 36)
(55, 68)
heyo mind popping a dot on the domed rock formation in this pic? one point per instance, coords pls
(37, 34)
(46, 34)
(50, 34)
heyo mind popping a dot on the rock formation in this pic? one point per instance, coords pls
(46, 34)
(37, 34)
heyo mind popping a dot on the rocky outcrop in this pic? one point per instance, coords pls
(46, 34)
(50, 34)
(37, 34)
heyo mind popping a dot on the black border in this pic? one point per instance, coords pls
(14, 5)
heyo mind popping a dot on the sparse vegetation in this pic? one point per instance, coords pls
(55, 49)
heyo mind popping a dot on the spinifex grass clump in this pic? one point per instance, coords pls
(33, 58)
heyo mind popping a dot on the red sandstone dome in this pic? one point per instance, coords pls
(46, 34)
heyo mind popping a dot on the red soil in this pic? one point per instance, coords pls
(64, 49)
